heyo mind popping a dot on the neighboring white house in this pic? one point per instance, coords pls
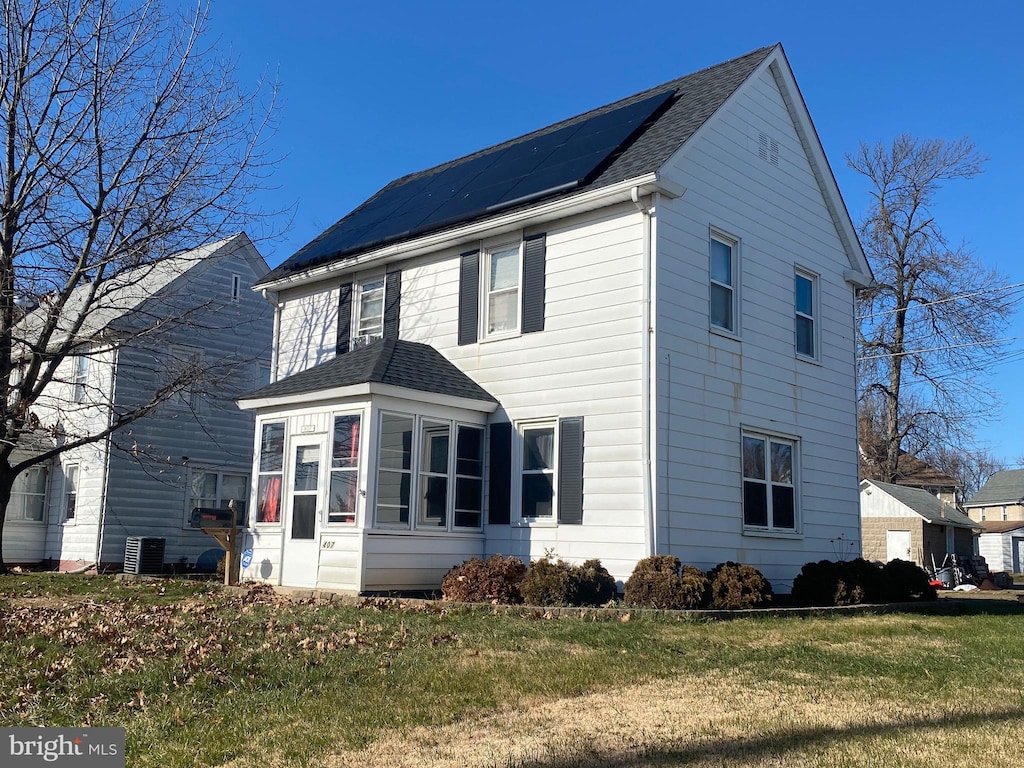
(195, 450)
(1001, 543)
(627, 333)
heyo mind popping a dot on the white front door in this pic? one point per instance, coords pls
(304, 512)
(897, 546)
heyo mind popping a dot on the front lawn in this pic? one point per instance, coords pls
(200, 677)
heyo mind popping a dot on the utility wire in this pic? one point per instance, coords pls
(919, 305)
(940, 349)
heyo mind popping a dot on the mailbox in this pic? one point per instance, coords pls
(209, 517)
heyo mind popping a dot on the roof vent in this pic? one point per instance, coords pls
(768, 149)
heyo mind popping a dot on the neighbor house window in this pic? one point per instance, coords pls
(81, 378)
(723, 283)
(806, 308)
(369, 324)
(501, 299)
(344, 489)
(211, 489)
(28, 496)
(70, 491)
(184, 370)
(271, 473)
(236, 287)
(769, 486)
(538, 474)
(394, 472)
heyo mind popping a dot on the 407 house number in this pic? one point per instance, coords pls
(327, 545)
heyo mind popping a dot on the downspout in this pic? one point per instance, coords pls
(650, 508)
(272, 298)
(106, 459)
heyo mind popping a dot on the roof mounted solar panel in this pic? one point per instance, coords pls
(546, 163)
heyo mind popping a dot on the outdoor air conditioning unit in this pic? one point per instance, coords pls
(144, 555)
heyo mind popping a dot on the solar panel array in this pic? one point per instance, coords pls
(531, 168)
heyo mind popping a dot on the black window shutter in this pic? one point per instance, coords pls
(469, 296)
(570, 471)
(392, 302)
(344, 319)
(535, 250)
(499, 475)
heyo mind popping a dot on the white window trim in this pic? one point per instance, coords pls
(357, 337)
(770, 531)
(255, 477)
(80, 378)
(734, 247)
(46, 493)
(518, 439)
(415, 471)
(486, 250)
(182, 353)
(64, 493)
(814, 317)
(358, 471)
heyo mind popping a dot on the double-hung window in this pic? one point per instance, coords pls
(212, 489)
(769, 483)
(503, 276)
(185, 371)
(723, 269)
(81, 378)
(28, 496)
(270, 474)
(341, 507)
(369, 324)
(70, 491)
(469, 476)
(538, 475)
(805, 290)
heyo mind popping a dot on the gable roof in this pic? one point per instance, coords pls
(931, 509)
(1006, 487)
(124, 293)
(387, 217)
(404, 364)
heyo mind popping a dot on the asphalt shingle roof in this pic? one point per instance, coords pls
(698, 96)
(405, 364)
(1006, 487)
(926, 505)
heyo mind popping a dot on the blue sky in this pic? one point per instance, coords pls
(373, 90)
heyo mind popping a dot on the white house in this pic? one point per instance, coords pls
(627, 333)
(194, 450)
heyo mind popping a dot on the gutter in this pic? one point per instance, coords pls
(106, 459)
(272, 298)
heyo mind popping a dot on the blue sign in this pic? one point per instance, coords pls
(247, 558)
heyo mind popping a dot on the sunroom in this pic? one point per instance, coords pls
(368, 472)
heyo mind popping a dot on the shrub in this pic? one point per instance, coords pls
(661, 581)
(908, 581)
(827, 583)
(735, 586)
(495, 580)
(556, 582)
(871, 578)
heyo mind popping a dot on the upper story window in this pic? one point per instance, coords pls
(368, 310)
(723, 270)
(502, 290)
(270, 473)
(369, 324)
(501, 301)
(769, 483)
(28, 496)
(806, 303)
(185, 365)
(236, 287)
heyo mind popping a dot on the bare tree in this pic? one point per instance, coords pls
(123, 140)
(971, 468)
(932, 320)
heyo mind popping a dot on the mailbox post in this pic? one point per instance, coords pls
(222, 525)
